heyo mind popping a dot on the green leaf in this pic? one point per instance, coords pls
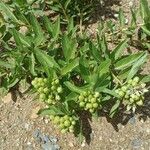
(52, 110)
(39, 38)
(127, 61)
(32, 65)
(94, 51)
(119, 49)
(17, 38)
(104, 67)
(69, 47)
(6, 10)
(45, 60)
(146, 79)
(84, 69)
(121, 17)
(56, 28)
(73, 88)
(137, 66)
(114, 109)
(145, 11)
(67, 3)
(69, 67)
(48, 25)
(145, 29)
(110, 92)
(5, 64)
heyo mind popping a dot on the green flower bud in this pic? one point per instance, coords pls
(45, 90)
(126, 96)
(139, 103)
(33, 82)
(121, 93)
(93, 100)
(90, 96)
(145, 90)
(89, 105)
(59, 89)
(130, 81)
(85, 100)
(42, 96)
(143, 85)
(97, 94)
(57, 97)
(95, 105)
(117, 91)
(91, 110)
(67, 123)
(85, 94)
(53, 88)
(66, 117)
(81, 98)
(56, 119)
(73, 122)
(56, 81)
(40, 90)
(136, 79)
(134, 83)
(49, 101)
(124, 88)
(81, 104)
(131, 100)
(61, 126)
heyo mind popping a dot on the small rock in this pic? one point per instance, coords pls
(7, 99)
(132, 120)
(71, 144)
(29, 143)
(53, 139)
(46, 121)
(27, 126)
(49, 146)
(136, 143)
(83, 144)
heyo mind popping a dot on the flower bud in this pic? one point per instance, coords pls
(97, 94)
(95, 105)
(136, 79)
(121, 93)
(59, 89)
(81, 104)
(139, 103)
(124, 88)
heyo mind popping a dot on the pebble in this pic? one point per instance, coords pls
(136, 143)
(83, 144)
(27, 126)
(71, 144)
(46, 121)
(7, 99)
(132, 120)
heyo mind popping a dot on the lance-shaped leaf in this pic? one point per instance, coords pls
(70, 66)
(8, 13)
(116, 53)
(127, 61)
(137, 66)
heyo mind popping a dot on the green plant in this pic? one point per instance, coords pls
(71, 72)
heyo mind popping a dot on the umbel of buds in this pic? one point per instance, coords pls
(48, 92)
(89, 100)
(66, 123)
(132, 93)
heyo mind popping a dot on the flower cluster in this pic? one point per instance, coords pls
(48, 92)
(66, 123)
(132, 93)
(89, 100)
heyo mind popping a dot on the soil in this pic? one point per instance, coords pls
(19, 121)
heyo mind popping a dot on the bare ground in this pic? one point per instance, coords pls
(19, 122)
